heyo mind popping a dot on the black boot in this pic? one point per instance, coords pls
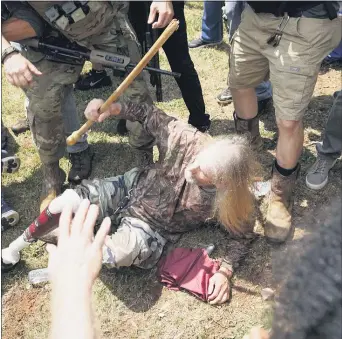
(81, 165)
(21, 126)
(53, 179)
(250, 128)
(203, 125)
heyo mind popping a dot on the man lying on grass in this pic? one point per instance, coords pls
(197, 180)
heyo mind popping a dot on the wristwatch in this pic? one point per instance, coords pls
(8, 51)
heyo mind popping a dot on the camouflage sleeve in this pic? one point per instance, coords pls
(154, 121)
(235, 252)
(22, 11)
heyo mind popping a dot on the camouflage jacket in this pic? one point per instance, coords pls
(161, 196)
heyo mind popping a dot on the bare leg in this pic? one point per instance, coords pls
(290, 143)
(245, 103)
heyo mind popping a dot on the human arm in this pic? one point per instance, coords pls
(165, 12)
(73, 267)
(219, 283)
(15, 29)
(23, 24)
(154, 121)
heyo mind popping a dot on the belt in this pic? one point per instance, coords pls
(330, 12)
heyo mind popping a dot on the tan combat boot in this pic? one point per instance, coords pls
(279, 213)
(250, 128)
(53, 179)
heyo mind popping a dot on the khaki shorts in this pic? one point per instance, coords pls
(292, 66)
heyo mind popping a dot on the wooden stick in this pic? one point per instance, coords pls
(173, 26)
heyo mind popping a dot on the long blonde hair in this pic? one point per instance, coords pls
(233, 168)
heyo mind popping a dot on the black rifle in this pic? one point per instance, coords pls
(151, 35)
(63, 51)
(138, 14)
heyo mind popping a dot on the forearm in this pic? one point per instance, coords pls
(72, 315)
(236, 251)
(15, 29)
(4, 43)
(154, 121)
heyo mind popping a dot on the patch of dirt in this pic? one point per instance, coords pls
(20, 305)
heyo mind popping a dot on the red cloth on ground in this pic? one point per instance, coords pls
(189, 269)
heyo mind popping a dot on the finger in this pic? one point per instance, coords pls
(16, 81)
(221, 297)
(167, 19)
(10, 79)
(152, 16)
(160, 22)
(103, 116)
(33, 69)
(89, 223)
(28, 75)
(51, 249)
(22, 80)
(211, 289)
(92, 109)
(101, 234)
(214, 295)
(64, 224)
(115, 108)
(78, 221)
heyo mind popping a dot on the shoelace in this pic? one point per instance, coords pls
(321, 166)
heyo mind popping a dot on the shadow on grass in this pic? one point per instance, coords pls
(10, 142)
(138, 289)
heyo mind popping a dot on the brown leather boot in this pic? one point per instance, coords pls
(53, 179)
(250, 128)
(279, 213)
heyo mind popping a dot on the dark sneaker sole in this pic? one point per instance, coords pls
(210, 44)
(224, 102)
(9, 219)
(10, 164)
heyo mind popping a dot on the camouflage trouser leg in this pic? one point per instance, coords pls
(44, 110)
(108, 192)
(134, 242)
(121, 39)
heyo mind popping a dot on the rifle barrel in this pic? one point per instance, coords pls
(66, 50)
(157, 70)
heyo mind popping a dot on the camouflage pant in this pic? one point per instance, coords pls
(134, 242)
(50, 89)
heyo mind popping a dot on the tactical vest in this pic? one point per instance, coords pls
(78, 20)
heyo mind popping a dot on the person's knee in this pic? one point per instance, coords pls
(289, 126)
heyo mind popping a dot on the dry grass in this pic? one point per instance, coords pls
(130, 303)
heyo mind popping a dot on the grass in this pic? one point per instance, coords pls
(130, 303)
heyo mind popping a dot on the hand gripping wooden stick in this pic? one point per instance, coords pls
(173, 26)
